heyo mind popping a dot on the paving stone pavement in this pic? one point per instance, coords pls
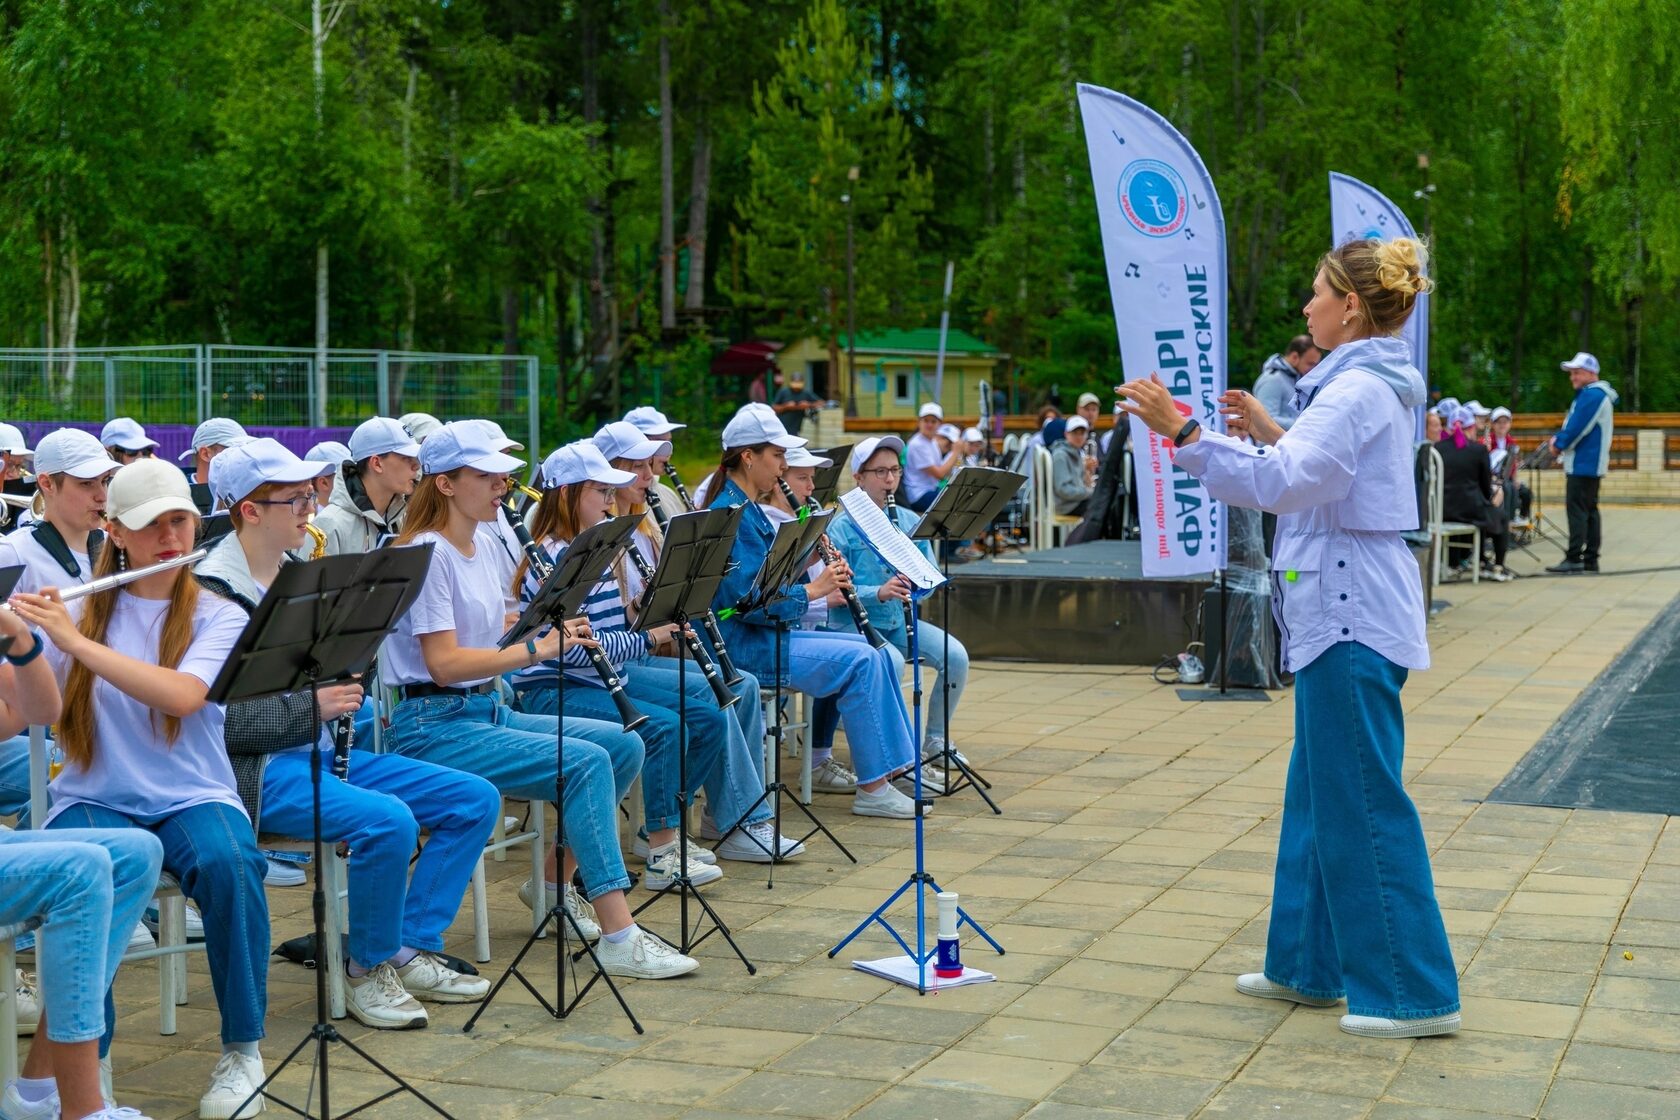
(1128, 878)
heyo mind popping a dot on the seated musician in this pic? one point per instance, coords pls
(369, 492)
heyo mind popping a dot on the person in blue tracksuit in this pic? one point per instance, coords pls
(1584, 445)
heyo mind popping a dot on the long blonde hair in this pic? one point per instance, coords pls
(75, 727)
(558, 517)
(428, 509)
(649, 524)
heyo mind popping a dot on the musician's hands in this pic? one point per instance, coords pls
(336, 700)
(898, 587)
(1152, 402)
(576, 634)
(1246, 416)
(48, 614)
(666, 633)
(832, 578)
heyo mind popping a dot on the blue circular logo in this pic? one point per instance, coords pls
(1153, 198)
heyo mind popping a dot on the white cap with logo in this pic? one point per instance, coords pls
(73, 452)
(650, 421)
(218, 431)
(755, 424)
(236, 473)
(868, 447)
(420, 425)
(145, 490)
(1582, 360)
(623, 440)
(381, 435)
(582, 461)
(125, 432)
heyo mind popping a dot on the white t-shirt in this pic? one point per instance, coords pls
(42, 570)
(920, 454)
(634, 584)
(502, 543)
(466, 594)
(135, 771)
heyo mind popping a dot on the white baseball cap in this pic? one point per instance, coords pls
(1088, 398)
(1444, 407)
(950, 432)
(930, 409)
(1582, 360)
(73, 452)
(382, 435)
(236, 473)
(498, 438)
(623, 440)
(582, 461)
(145, 490)
(464, 444)
(1477, 407)
(125, 432)
(1502, 413)
(12, 441)
(328, 451)
(755, 424)
(868, 447)
(218, 431)
(802, 457)
(973, 435)
(650, 421)
(1077, 422)
(419, 425)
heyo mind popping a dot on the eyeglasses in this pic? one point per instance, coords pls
(143, 453)
(301, 504)
(884, 472)
(608, 492)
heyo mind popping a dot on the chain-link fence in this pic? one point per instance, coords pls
(262, 386)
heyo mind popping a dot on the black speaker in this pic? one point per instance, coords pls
(1254, 638)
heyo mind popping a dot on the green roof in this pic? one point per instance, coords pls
(921, 340)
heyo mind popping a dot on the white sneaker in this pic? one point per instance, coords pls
(427, 977)
(696, 853)
(645, 956)
(884, 802)
(1370, 1026)
(576, 905)
(1256, 984)
(28, 1008)
(937, 746)
(234, 1079)
(832, 777)
(106, 1093)
(933, 782)
(140, 937)
(112, 1112)
(379, 1000)
(283, 873)
(14, 1107)
(753, 843)
(662, 869)
(195, 924)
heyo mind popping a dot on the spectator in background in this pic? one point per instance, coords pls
(1505, 457)
(125, 441)
(1482, 413)
(795, 403)
(925, 466)
(1045, 416)
(1584, 446)
(1073, 473)
(947, 437)
(209, 440)
(1090, 407)
(756, 392)
(1470, 494)
(1275, 387)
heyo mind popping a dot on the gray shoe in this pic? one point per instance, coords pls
(1256, 984)
(1370, 1026)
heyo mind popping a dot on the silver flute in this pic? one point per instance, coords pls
(106, 583)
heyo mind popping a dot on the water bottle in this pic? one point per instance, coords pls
(947, 963)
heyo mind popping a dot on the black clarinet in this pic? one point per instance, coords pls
(540, 567)
(708, 667)
(909, 611)
(344, 731)
(731, 675)
(677, 485)
(831, 555)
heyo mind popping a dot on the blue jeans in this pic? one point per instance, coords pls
(212, 851)
(863, 684)
(1353, 902)
(380, 812)
(14, 779)
(930, 645)
(825, 710)
(732, 788)
(88, 888)
(515, 752)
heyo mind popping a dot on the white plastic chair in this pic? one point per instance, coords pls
(1048, 526)
(1440, 532)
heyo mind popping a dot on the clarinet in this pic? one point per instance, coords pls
(677, 485)
(831, 555)
(708, 667)
(731, 675)
(627, 713)
(344, 730)
(909, 610)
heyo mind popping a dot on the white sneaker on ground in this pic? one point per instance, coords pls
(14, 1107)
(379, 1000)
(195, 924)
(831, 777)
(933, 782)
(1370, 1026)
(884, 802)
(283, 873)
(576, 905)
(427, 977)
(113, 1112)
(1256, 984)
(28, 1008)
(234, 1079)
(662, 869)
(696, 854)
(645, 956)
(937, 746)
(753, 843)
(141, 938)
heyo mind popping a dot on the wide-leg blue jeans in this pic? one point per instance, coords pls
(739, 782)
(14, 779)
(1353, 902)
(863, 684)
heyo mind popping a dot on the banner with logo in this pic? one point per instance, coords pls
(1358, 210)
(1163, 239)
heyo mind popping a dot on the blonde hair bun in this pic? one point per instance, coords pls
(1401, 264)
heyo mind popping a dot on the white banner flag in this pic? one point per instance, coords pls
(1359, 211)
(1164, 243)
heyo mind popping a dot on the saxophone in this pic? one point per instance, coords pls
(319, 548)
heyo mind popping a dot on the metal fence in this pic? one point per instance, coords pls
(266, 386)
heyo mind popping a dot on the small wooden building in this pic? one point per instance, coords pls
(895, 371)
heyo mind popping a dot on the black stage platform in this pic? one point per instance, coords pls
(1088, 604)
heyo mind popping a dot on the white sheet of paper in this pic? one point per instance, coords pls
(902, 970)
(890, 543)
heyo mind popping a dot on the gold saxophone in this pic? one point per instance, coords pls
(320, 538)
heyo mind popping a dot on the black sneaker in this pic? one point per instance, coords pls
(1569, 567)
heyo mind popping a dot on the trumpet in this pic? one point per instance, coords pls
(627, 713)
(106, 583)
(831, 555)
(708, 667)
(709, 620)
(18, 501)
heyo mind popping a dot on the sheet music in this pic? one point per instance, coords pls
(890, 543)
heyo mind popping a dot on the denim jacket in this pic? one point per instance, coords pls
(753, 635)
(869, 572)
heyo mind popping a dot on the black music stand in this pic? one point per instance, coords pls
(692, 564)
(826, 480)
(8, 580)
(782, 565)
(323, 621)
(561, 597)
(963, 509)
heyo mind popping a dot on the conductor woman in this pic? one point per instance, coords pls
(1353, 902)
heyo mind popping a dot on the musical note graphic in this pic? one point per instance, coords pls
(1133, 271)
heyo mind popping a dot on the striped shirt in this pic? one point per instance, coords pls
(604, 608)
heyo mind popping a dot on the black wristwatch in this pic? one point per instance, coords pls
(31, 655)
(1190, 426)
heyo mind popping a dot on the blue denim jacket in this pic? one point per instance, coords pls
(753, 635)
(869, 572)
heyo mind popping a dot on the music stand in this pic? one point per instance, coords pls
(322, 621)
(692, 564)
(9, 577)
(782, 565)
(826, 480)
(963, 509)
(560, 597)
